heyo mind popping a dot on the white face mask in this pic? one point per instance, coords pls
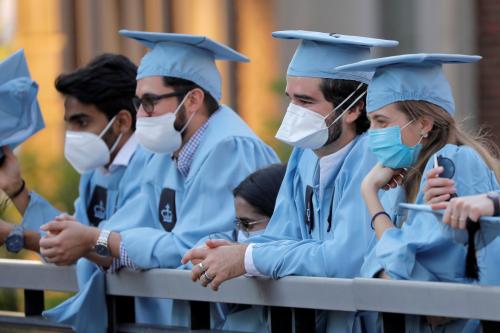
(304, 128)
(87, 151)
(242, 236)
(158, 134)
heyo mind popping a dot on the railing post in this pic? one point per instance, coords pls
(490, 326)
(304, 320)
(121, 309)
(393, 322)
(33, 302)
(200, 315)
(280, 319)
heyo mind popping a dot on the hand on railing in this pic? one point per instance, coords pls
(66, 241)
(458, 210)
(439, 192)
(219, 261)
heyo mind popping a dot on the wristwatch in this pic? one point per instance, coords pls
(495, 198)
(15, 240)
(101, 247)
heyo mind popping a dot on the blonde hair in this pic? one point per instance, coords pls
(445, 130)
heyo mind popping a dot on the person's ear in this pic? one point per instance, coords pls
(194, 101)
(123, 122)
(354, 112)
(426, 124)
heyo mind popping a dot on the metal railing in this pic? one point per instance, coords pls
(295, 292)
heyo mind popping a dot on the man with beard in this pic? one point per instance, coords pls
(320, 226)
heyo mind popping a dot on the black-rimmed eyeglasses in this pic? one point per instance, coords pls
(148, 101)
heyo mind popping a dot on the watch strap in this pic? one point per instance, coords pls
(103, 238)
(17, 231)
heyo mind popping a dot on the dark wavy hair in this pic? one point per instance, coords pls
(261, 188)
(107, 82)
(336, 90)
(184, 86)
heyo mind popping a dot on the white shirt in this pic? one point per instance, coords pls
(123, 156)
(328, 166)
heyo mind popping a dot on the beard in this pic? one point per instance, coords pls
(335, 130)
(181, 119)
(110, 137)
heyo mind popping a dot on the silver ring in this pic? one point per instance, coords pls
(206, 277)
(203, 270)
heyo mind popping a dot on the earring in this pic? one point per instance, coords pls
(424, 134)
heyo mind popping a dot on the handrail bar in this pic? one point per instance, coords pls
(411, 297)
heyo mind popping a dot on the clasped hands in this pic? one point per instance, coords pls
(66, 240)
(217, 261)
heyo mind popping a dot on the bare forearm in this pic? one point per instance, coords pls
(32, 241)
(21, 200)
(99, 260)
(114, 242)
(31, 238)
(381, 222)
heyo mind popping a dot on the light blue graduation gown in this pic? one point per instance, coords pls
(241, 318)
(180, 211)
(289, 247)
(488, 260)
(86, 311)
(423, 248)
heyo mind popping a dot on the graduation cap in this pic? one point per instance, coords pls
(319, 53)
(409, 77)
(19, 109)
(189, 57)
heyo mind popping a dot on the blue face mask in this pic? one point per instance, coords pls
(388, 147)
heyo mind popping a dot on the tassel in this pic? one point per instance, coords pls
(471, 267)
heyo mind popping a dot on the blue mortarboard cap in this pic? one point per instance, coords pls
(183, 56)
(19, 110)
(410, 77)
(319, 53)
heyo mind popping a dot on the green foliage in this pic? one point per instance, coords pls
(67, 191)
(283, 150)
(8, 300)
(53, 298)
(63, 180)
(278, 86)
(4, 203)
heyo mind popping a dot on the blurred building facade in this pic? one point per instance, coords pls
(60, 35)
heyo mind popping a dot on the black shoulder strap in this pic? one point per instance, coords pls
(309, 213)
(330, 213)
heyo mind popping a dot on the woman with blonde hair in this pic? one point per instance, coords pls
(411, 107)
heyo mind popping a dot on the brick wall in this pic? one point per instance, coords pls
(488, 30)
